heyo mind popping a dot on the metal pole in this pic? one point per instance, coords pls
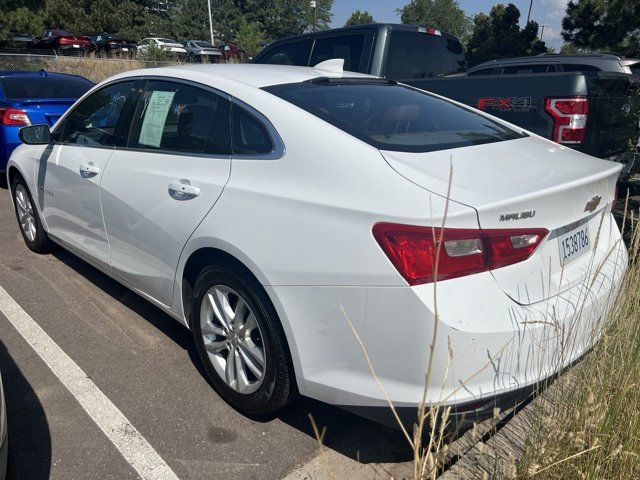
(314, 5)
(210, 21)
(542, 32)
(529, 14)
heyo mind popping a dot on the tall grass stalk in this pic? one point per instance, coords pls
(590, 428)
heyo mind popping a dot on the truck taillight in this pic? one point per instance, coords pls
(14, 117)
(569, 118)
(430, 31)
(413, 249)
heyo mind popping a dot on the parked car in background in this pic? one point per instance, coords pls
(553, 62)
(201, 51)
(62, 42)
(166, 44)
(19, 41)
(592, 111)
(28, 98)
(257, 204)
(111, 44)
(229, 52)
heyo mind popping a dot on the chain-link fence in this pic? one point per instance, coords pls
(93, 68)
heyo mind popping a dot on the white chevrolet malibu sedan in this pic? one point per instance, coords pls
(261, 205)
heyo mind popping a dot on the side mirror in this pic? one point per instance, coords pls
(35, 135)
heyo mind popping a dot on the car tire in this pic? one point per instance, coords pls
(28, 219)
(236, 292)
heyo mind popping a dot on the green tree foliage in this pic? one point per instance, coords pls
(181, 19)
(359, 18)
(445, 15)
(498, 35)
(20, 17)
(250, 37)
(612, 25)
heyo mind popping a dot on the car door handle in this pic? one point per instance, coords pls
(183, 190)
(89, 170)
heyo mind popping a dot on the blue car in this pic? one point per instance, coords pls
(31, 98)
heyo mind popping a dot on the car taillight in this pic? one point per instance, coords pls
(569, 118)
(14, 116)
(413, 249)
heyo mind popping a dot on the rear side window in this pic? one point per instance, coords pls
(20, 87)
(576, 67)
(420, 55)
(484, 71)
(635, 68)
(393, 117)
(533, 68)
(98, 120)
(250, 136)
(348, 47)
(291, 54)
(181, 118)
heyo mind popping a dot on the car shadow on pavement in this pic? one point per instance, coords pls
(347, 433)
(29, 436)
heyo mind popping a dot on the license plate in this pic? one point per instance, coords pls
(574, 243)
(76, 46)
(125, 49)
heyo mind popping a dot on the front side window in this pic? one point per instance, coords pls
(393, 117)
(97, 120)
(348, 47)
(181, 118)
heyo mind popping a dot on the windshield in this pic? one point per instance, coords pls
(203, 44)
(37, 87)
(391, 116)
(167, 40)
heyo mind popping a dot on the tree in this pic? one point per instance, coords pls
(20, 17)
(445, 15)
(359, 18)
(498, 35)
(612, 25)
(250, 37)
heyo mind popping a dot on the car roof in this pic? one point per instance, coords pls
(24, 73)
(593, 58)
(255, 75)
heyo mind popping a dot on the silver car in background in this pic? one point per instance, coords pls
(201, 51)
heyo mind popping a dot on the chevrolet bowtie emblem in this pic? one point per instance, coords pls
(593, 203)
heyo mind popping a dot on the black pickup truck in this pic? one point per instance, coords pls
(589, 110)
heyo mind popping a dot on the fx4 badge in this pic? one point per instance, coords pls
(593, 203)
(507, 217)
(506, 104)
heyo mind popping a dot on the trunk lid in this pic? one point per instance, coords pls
(526, 183)
(46, 112)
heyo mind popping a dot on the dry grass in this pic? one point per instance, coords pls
(594, 432)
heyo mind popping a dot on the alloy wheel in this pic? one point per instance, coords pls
(25, 213)
(232, 339)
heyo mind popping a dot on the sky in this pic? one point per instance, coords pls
(545, 12)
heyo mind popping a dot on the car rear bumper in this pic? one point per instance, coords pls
(488, 350)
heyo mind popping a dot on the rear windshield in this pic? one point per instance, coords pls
(420, 55)
(391, 116)
(44, 87)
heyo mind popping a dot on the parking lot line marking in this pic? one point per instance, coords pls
(125, 437)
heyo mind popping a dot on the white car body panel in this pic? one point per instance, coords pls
(301, 223)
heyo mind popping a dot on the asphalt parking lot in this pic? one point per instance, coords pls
(146, 365)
